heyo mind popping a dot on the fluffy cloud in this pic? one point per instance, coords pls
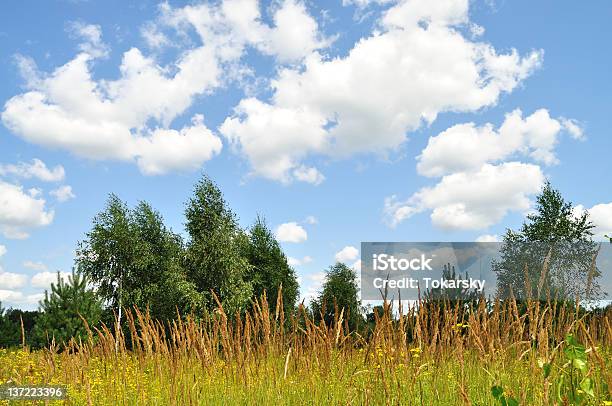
(35, 266)
(308, 175)
(129, 118)
(20, 211)
(299, 261)
(168, 150)
(274, 139)
(295, 33)
(601, 216)
(347, 254)
(466, 147)
(472, 200)
(10, 295)
(235, 24)
(487, 238)
(291, 232)
(17, 297)
(105, 119)
(477, 185)
(45, 279)
(36, 169)
(311, 285)
(10, 280)
(91, 35)
(417, 65)
(2, 250)
(63, 193)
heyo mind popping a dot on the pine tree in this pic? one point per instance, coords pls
(64, 310)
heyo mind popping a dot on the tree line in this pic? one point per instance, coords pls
(131, 259)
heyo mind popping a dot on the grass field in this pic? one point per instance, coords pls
(437, 354)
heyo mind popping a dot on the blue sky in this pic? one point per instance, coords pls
(355, 114)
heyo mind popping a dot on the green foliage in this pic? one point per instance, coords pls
(108, 255)
(162, 283)
(269, 269)
(554, 219)
(339, 292)
(134, 260)
(10, 326)
(574, 384)
(64, 310)
(213, 260)
(551, 254)
(502, 398)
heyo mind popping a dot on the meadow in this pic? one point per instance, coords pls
(440, 353)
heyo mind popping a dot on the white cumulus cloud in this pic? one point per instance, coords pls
(91, 36)
(35, 266)
(63, 193)
(9, 280)
(108, 119)
(472, 200)
(347, 254)
(487, 238)
(601, 216)
(466, 147)
(17, 297)
(291, 232)
(36, 169)
(21, 211)
(299, 261)
(46, 278)
(416, 65)
(308, 175)
(129, 118)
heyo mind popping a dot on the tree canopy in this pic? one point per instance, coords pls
(213, 259)
(269, 269)
(339, 294)
(552, 254)
(66, 309)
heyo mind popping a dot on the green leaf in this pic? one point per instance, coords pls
(587, 386)
(575, 352)
(580, 364)
(512, 402)
(570, 340)
(547, 368)
(497, 391)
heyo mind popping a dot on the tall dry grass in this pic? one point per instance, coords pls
(431, 353)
